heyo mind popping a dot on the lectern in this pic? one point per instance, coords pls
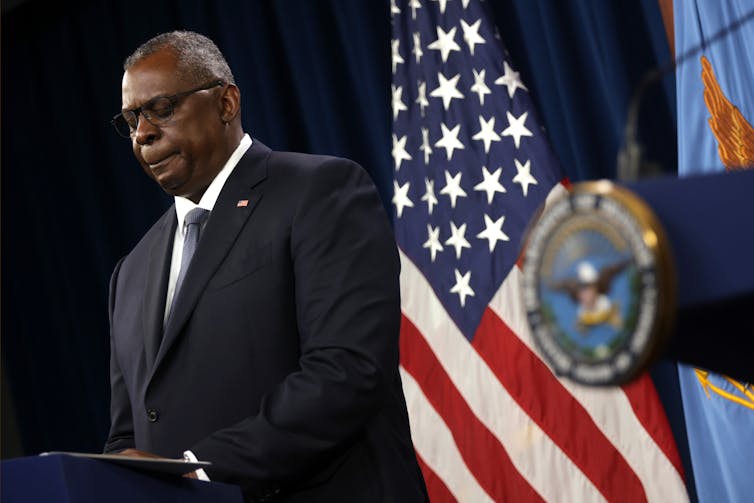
(62, 478)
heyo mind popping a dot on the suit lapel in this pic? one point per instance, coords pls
(225, 222)
(158, 269)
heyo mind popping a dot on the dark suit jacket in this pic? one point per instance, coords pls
(279, 361)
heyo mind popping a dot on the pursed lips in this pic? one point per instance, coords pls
(160, 162)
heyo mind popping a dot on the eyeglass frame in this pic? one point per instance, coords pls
(173, 99)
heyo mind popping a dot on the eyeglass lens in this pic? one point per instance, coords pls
(156, 112)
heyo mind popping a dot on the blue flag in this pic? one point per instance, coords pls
(715, 133)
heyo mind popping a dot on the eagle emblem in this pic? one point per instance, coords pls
(590, 290)
(598, 287)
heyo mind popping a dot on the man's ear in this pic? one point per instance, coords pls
(230, 103)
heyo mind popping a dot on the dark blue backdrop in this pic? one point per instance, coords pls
(314, 76)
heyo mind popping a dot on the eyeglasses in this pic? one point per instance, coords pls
(158, 111)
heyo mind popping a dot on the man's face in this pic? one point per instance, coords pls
(184, 154)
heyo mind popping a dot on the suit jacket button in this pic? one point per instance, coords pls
(153, 415)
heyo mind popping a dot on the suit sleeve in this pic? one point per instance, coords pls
(348, 312)
(121, 434)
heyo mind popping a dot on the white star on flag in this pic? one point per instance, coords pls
(417, 50)
(457, 238)
(480, 87)
(429, 194)
(399, 151)
(443, 4)
(449, 140)
(524, 176)
(421, 100)
(493, 231)
(487, 132)
(433, 241)
(394, 8)
(400, 197)
(511, 80)
(414, 4)
(471, 34)
(445, 43)
(453, 188)
(446, 89)
(396, 55)
(462, 287)
(398, 105)
(425, 146)
(516, 127)
(490, 184)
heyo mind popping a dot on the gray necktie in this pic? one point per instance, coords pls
(194, 220)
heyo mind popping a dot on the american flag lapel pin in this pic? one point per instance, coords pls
(243, 203)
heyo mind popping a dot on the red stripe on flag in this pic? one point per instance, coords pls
(555, 410)
(648, 409)
(482, 452)
(438, 491)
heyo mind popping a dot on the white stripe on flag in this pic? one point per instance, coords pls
(434, 443)
(524, 441)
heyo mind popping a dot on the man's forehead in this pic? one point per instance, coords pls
(151, 76)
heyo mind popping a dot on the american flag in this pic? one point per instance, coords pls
(489, 420)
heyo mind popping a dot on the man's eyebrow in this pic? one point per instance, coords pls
(147, 103)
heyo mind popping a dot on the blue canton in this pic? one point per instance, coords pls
(471, 162)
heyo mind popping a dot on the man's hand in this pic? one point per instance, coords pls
(136, 453)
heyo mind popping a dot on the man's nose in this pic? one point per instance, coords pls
(145, 132)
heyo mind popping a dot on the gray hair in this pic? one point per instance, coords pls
(199, 59)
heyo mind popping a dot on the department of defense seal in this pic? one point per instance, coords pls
(599, 287)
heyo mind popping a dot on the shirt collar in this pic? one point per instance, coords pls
(208, 200)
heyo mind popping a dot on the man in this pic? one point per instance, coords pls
(270, 345)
